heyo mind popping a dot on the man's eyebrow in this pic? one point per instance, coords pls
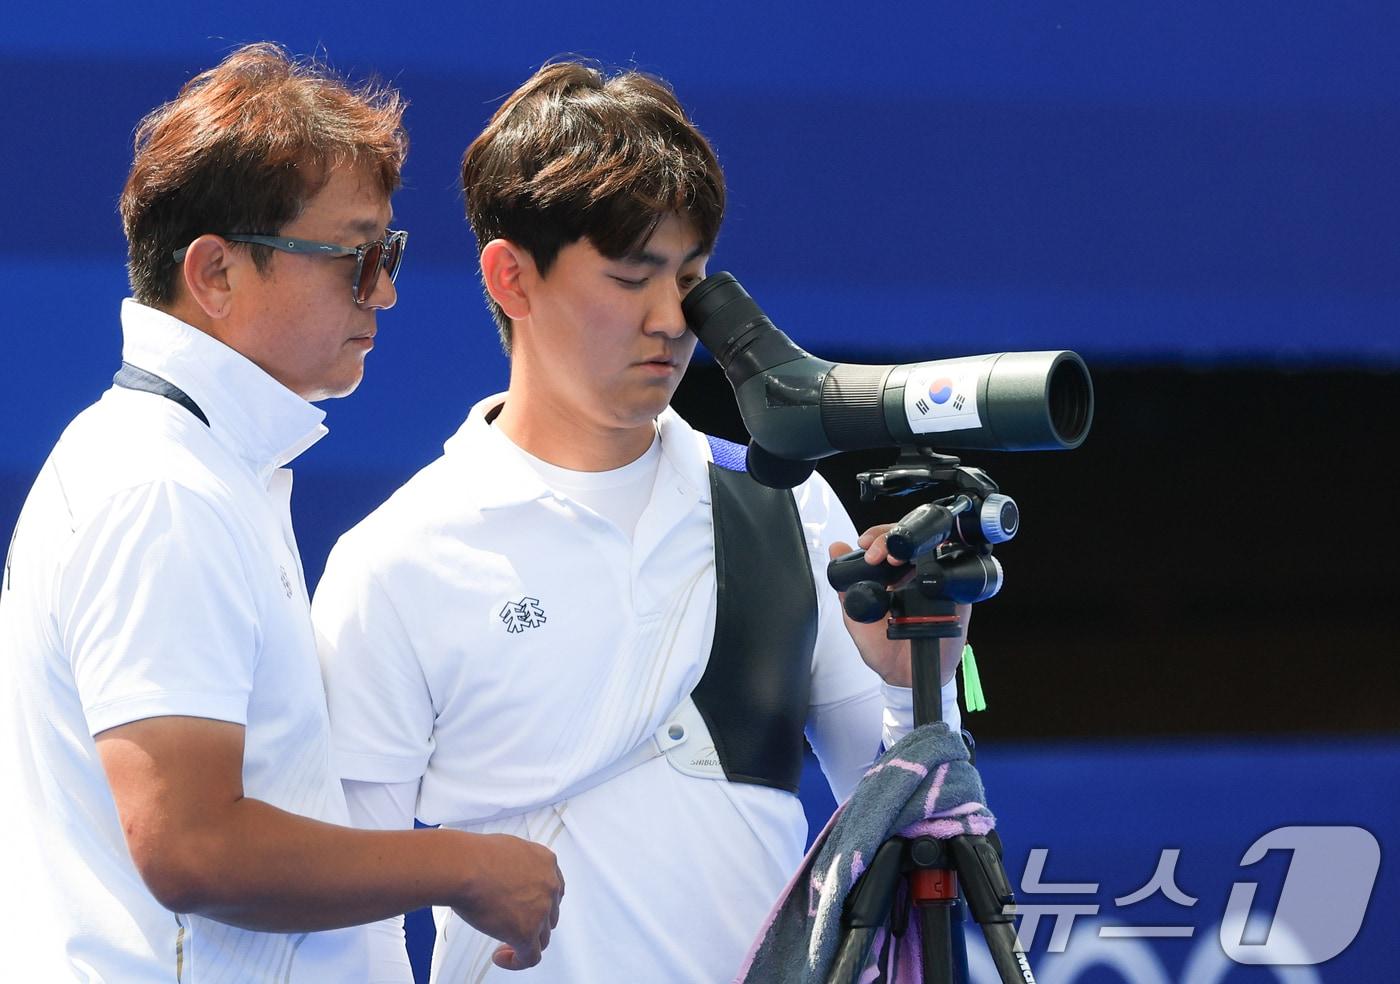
(644, 257)
(365, 227)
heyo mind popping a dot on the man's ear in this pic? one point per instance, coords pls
(205, 273)
(504, 267)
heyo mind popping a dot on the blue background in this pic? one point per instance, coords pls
(1199, 182)
(1193, 186)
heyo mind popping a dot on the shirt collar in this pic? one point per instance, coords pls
(496, 476)
(250, 413)
(687, 451)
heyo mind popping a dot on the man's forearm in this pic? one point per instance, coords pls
(202, 846)
(265, 869)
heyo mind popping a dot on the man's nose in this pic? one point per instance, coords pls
(665, 316)
(384, 296)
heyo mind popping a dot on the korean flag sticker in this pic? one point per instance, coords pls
(942, 397)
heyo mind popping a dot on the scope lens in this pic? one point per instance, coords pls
(1071, 397)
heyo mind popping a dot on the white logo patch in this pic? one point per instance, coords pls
(523, 614)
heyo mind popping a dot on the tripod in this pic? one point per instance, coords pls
(950, 542)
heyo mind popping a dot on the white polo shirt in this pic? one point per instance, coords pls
(495, 642)
(154, 572)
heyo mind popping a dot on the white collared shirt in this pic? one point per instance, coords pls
(492, 641)
(619, 495)
(154, 572)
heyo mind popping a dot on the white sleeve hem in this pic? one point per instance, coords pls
(125, 710)
(378, 767)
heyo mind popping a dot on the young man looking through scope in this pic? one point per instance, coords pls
(529, 636)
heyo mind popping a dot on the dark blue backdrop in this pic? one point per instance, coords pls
(1194, 184)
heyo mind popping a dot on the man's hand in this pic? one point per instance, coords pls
(515, 895)
(891, 657)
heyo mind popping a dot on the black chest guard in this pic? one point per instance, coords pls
(755, 689)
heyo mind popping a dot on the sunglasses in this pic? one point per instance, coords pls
(382, 254)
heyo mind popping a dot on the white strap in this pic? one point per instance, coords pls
(683, 739)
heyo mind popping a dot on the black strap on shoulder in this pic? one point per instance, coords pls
(756, 687)
(134, 378)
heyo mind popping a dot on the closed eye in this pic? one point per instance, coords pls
(630, 283)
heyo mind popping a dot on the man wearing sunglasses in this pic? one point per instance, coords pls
(532, 637)
(160, 696)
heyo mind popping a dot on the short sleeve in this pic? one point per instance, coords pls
(155, 610)
(381, 710)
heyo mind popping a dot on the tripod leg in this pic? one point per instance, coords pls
(867, 909)
(934, 887)
(992, 902)
(944, 945)
(958, 956)
(936, 942)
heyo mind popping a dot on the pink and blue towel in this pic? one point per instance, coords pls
(923, 786)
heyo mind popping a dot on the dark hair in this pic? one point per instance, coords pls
(241, 149)
(572, 154)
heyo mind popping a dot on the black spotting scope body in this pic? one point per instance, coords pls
(800, 408)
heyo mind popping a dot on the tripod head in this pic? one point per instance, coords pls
(949, 541)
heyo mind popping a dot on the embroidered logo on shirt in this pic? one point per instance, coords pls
(286, 581)
(523, 614)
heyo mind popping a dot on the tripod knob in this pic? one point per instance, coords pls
(999, 518)
(867, 601)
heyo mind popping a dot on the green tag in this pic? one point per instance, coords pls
(973, 698)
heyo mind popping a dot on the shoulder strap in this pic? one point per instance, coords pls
(133, 378)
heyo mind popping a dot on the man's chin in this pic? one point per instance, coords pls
(338, 389)
(639, 414)
(655, 408)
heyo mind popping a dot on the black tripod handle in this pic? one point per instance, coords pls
(851, 568)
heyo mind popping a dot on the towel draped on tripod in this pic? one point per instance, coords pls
(922, 787)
